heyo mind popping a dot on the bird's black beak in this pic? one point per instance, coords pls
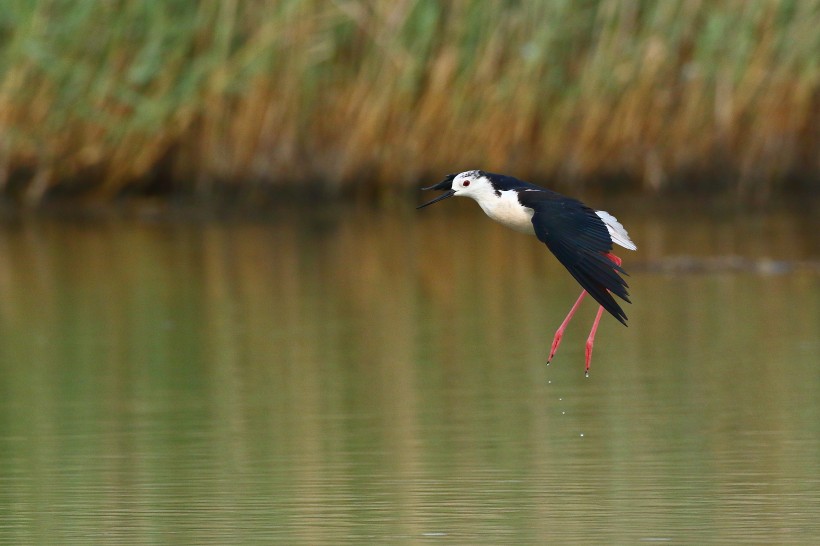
(445, 184)
(437, 199)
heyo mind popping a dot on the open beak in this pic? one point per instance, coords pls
(437, 199)
(443, 185)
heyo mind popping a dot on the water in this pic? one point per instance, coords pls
(359, 376)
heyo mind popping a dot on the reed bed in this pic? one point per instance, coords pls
(102, 98)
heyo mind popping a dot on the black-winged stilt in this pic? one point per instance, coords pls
(580, 237)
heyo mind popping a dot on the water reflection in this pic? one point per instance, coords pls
(360, 376)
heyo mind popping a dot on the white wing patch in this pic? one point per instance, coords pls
(616, 230)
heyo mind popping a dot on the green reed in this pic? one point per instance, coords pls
(101, 97)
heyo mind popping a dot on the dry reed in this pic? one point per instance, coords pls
(101, 97)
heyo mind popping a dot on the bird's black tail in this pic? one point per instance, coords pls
(599, 277)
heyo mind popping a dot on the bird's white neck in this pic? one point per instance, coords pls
(506, 210)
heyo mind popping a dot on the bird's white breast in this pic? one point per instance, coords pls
(506, 210)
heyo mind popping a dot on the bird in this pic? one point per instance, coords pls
(580, 237)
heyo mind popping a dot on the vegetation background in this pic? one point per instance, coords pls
(103, 99)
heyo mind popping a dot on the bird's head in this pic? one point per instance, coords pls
(473, 184)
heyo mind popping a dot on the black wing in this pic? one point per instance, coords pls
(580, 240)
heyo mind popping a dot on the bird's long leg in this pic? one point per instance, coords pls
(614, 258)
(556, 341)
(591, 338)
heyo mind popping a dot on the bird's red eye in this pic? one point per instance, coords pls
(465, 183)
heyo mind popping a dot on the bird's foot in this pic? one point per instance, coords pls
(556, 341)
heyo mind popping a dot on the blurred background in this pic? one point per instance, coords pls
(222, 320)
(102, 98)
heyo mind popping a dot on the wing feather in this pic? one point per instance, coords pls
(579, 238)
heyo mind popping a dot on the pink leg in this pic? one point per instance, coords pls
(591, 339)
(556, 341)
(614, 258)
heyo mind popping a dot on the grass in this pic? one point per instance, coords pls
(101, 98)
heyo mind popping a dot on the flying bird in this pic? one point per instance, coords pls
(579, 236)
